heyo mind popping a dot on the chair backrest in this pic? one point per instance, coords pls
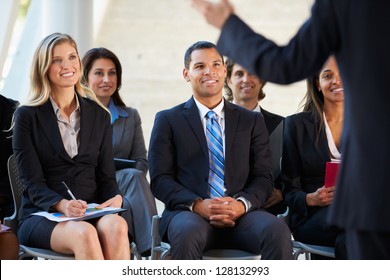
(12, 221)
(285, 217)
(303, 248)
(17, 190)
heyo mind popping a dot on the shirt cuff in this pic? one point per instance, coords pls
(246, 202)
(192, 205)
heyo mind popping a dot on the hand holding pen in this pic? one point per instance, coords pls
(75, 207)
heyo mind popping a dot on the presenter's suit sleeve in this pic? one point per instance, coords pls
(306, 52)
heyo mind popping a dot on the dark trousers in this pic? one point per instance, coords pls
(316, 231)
(367, 245)
(258, 232)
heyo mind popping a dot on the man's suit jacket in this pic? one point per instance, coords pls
(271, 120)
(44, 163)
(128, 138)
(305, 153)
(361, 48)
(274, 124)
(179, 164)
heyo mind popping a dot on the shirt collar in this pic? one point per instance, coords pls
(57, 109)
(116, 111)
(203, 110)
(256, 109)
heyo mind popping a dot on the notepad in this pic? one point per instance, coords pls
(121, 163)
(91, 213)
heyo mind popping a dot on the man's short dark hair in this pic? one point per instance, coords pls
(197, 46)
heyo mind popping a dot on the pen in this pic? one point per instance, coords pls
(69, 192)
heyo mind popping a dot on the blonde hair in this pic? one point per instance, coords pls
(39, 78)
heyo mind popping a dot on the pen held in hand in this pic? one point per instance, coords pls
(69, 192)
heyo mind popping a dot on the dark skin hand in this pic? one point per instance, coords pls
(220, 212)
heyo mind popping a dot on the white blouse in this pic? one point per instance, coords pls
(332, 146)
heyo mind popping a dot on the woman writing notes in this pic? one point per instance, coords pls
(63, 133)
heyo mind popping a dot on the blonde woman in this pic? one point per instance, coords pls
(62, 134)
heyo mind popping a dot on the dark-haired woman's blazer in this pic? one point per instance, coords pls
(305, 153)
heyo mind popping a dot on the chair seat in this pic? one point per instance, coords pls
(43, 253)
(162, 250)
(314, 249)
(229, 254)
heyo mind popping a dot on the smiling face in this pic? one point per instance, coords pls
(206, 73)
(102, 79)
(244, 86)
(64, 71)
(330, 82)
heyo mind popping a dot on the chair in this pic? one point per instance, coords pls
(303, 248)
(27, 252)
(161, 250)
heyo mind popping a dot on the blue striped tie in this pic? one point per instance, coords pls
(216, 157)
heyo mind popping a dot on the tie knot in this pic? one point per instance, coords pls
(211, 115)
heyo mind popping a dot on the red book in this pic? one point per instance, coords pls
(332, 168)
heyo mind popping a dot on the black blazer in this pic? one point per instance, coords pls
(44, 163)
(178, 158)
(7, 108)
(271, 120)
(274, 124)
(362, 52)
(305, 153)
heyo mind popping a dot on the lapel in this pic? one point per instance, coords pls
(191, 114)
(231, 124)
(86, 123)
(48, 120)
(269, 120)
(118, 128)
(321, 143)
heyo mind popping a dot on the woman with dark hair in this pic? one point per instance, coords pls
(312, 138)
(103, 74)
(61, 140)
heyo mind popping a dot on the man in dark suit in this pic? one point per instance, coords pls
(194, 220)
(361, 49)
(7, 108)
(246, 90)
